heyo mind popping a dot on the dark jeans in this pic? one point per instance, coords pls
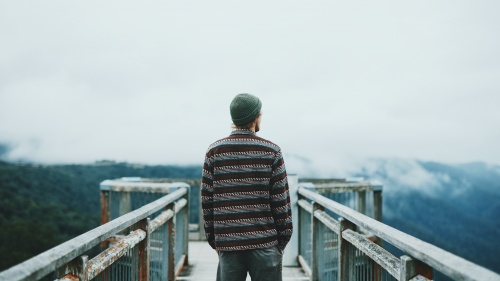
(261, 264)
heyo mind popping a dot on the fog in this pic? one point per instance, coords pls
(340, 82)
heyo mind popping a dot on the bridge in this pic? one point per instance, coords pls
(151, 229)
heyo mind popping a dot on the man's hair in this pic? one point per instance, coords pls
(247, 126)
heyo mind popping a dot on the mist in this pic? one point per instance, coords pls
(340, 82)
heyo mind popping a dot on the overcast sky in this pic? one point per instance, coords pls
(151, 81)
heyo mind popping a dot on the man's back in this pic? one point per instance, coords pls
(250, 200)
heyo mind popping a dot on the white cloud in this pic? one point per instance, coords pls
(151, 82)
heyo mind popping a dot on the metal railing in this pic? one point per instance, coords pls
(336, 239)
(336, 242)
(133, 246)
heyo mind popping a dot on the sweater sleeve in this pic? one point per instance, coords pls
(280, 201)
(207, 200)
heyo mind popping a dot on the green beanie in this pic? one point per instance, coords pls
(244, 109)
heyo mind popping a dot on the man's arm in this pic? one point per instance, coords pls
(280, 201)
(207, 200)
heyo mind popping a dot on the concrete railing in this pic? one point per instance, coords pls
(339, 243)
(133, 246)
(334, 238)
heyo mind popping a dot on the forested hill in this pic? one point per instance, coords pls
(44, 205)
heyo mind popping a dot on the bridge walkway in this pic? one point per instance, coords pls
(203, 262)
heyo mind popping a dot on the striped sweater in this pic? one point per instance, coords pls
(244, 194)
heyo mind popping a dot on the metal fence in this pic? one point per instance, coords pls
(120, 202)
(341, 242)
(133, 246)
(340, 236)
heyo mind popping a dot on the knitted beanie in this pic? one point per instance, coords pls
(244, 109)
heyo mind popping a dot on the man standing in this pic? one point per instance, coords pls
(245, 200)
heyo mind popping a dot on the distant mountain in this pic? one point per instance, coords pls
(455, 207)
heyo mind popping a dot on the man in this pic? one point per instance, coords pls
(245, 199)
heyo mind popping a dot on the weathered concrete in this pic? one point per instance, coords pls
(113, 253)
(46, 262)
(374, 251)
(439, 259)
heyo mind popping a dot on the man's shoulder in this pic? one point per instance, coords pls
(268, 142)
(217, 143)
(243, 140)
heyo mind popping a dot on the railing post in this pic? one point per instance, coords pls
(377, 204)
(186, 228)
(171, 246)
(316, 243)
(301, 225)
(104, 212)
(164, 252)
(407, 268)
(77, 268)
(346, 253)
(292, 248)
(377, 215)
(361, 202)
(377, 209)
(144, 251)
(104, 206)
(411, 268)
(125, 206)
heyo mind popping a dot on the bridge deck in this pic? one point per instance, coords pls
(203, 265)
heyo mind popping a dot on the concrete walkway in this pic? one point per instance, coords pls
(203, 262)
